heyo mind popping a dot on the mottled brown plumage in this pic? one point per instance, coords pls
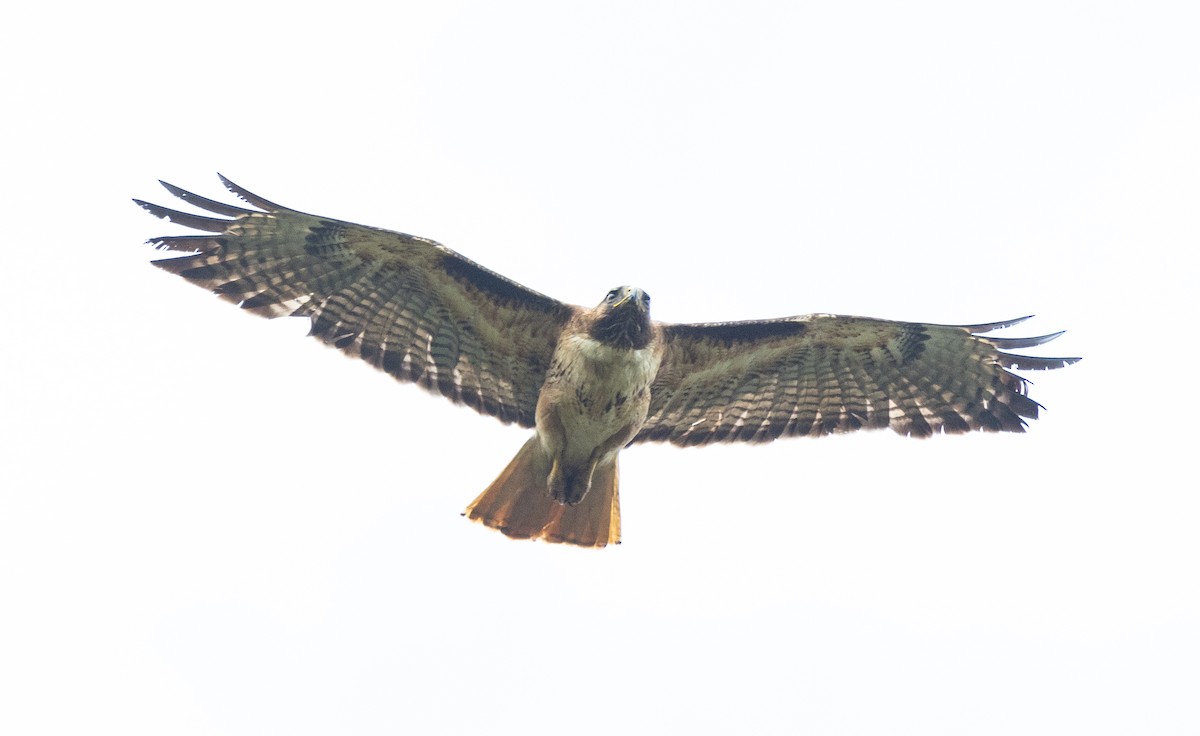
(591, 381)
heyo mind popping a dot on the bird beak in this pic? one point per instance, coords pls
(628, 295)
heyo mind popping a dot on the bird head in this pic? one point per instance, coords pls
(623, 318)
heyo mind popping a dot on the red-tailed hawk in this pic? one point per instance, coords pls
(591, 381)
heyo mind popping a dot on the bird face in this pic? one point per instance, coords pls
(627, 296)
(624, 319)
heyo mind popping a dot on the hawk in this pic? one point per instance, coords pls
(590, 382)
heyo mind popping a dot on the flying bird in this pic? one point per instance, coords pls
(591, 381)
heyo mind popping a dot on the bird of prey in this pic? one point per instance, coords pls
(590, 382)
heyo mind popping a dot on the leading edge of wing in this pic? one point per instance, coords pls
(455, 264)
(407, 305)
(817, 374)
(749, 331)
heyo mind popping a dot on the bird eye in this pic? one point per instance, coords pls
(611, 296)
(645, 297)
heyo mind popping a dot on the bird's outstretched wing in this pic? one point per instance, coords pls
(407, 305)
(822, 373)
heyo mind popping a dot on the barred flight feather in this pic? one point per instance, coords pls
(404, 304)
(425, 314)
(838, 374)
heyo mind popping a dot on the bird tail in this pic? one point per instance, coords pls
(518, 503)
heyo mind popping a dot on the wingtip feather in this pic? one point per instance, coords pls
(990, 326)
(204, 203)
(1022, 342)
(1032, 363)
(249, 196)
(198, 222)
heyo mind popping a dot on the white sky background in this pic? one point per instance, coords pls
(210, 525)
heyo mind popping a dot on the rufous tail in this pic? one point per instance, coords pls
(518, 504)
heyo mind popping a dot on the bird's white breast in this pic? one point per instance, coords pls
(615, 368)
(602, 390)
(610, 370)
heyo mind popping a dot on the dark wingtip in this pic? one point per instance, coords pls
(177, 191)
(990, 326)
(174, 265)
(1022, 342)
(204, 203)
(1031, 363)
(249, 196)
(186, 243)
(199, 222)
(1012, 360)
